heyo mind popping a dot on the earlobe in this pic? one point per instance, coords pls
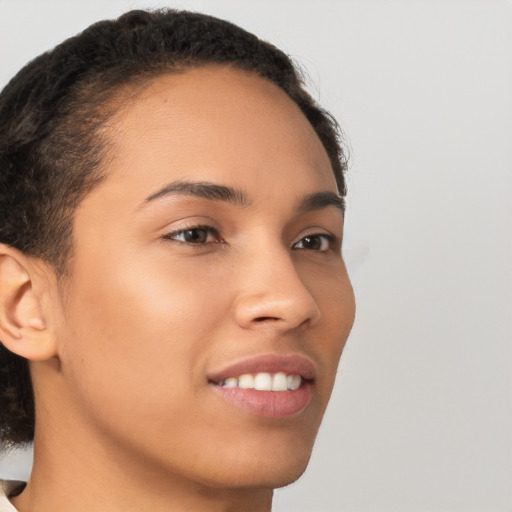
(23, 326)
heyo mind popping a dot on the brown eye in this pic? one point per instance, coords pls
(320, 243)
(197, 235)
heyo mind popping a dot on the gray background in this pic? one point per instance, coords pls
(421, 416)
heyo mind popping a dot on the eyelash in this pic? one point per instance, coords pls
(325, 244)
(208, 229)
(326, 240)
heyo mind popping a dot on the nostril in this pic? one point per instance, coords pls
(265, 318)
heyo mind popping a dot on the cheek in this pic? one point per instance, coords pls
(137, 336)
(334, 295)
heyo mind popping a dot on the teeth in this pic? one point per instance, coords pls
(295, 382)
(232, 382)
(246, 381)
(264, 382)
(279, 382)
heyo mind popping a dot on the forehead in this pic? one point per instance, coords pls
(215, 118)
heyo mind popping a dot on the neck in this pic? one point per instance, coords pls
(68, 478)
(79, 468)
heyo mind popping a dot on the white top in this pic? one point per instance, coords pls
(7, 487)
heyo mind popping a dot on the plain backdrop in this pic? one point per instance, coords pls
(421, 416)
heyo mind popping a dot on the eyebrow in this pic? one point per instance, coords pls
(320, 200)
(215, 192)
(204, 190)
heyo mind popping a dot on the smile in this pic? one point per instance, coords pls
(264, 381)
(272, 386)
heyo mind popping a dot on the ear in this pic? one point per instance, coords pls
(24, 326)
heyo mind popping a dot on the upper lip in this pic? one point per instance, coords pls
(291, 364)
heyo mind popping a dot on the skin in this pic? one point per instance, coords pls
(125, 414)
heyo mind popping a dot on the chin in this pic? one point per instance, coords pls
(269, 472)
(289, 477)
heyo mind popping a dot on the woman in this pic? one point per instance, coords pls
(173, 298)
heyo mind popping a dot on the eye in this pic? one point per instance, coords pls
(319, 242)
(196, 235)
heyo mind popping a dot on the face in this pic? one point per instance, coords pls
(208, 264)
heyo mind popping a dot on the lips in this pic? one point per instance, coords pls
(258, 385)
(293, 364)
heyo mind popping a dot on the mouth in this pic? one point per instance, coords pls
(271, 386)
(264, 381)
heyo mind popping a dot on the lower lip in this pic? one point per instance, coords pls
(270, 404)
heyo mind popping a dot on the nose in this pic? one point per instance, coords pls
(272, 294)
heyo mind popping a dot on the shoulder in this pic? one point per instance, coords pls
(9, 488)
